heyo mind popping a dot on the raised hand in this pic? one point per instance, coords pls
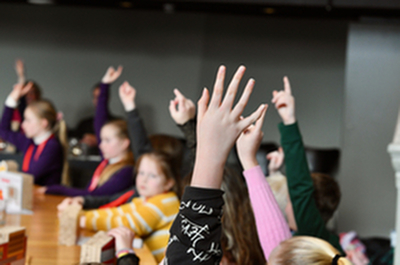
(20, 70)
(127, 94)
(218, 127)
(181, 108)
(111, 75)
(20, 90)
(249, 142)
(276, 159)
(284, 103)
(123, 237)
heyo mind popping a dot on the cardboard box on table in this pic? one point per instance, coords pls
(68, 225)
(17, 189)
(100, 248)
(12, 245)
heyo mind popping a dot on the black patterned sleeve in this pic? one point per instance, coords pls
(195, 234)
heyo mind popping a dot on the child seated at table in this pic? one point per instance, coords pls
(43, 141)
(149, 216)
(115, 172)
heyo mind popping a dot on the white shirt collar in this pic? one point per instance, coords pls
(41, 138)
(114, 160)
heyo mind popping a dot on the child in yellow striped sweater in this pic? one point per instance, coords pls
(149, 216)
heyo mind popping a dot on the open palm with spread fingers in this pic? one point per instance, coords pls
(219, 124)
(284, 103)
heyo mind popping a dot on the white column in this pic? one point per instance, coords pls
(394, 151)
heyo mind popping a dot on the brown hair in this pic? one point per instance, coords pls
(169, 145)
(35, 89)
(327, 195)
(122, 133)
(239, 241)
(167, 166)
(305, 250)
(121, 127)
(44, 109)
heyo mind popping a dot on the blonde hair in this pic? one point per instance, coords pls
(306, 250)
(278, 184)
(121, 128)
(44, 109)
(110, 170)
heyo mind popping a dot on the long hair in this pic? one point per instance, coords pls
(166, 164)
(327, 194)
(44, 109)
(305, 250)
(239, 235)
(121, 129)
(169, 145)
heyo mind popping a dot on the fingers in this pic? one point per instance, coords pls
(119, 70)
(126, 88)
(260, 121)
(114, 233)
(238, 109)
(233, 87)
(274, 96)
(280, 150)
(281, 102)
(112, 74)
(27, 87)
(19, 66)
(202, 103)
(120, 231)
(181, 99)
(218, 87)
(246, 122)
(286, 85)
(178, 94)
(172, 107)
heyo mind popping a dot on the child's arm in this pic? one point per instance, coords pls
(119, 181)
(271, 225)
(140, 142)
(196, 232)
(183, 112)
(123, 246)
(20, 71)
(102, 113)
(142, 218)
(300, 185)
(16, 138)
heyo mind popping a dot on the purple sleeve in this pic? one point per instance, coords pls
(102, 114)
(16, 138)
(120, 181)
(271, 225)
(47, 170)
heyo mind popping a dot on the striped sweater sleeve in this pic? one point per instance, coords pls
(271, 225)
(140, 216)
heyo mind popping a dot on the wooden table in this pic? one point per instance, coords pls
(42, 232)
